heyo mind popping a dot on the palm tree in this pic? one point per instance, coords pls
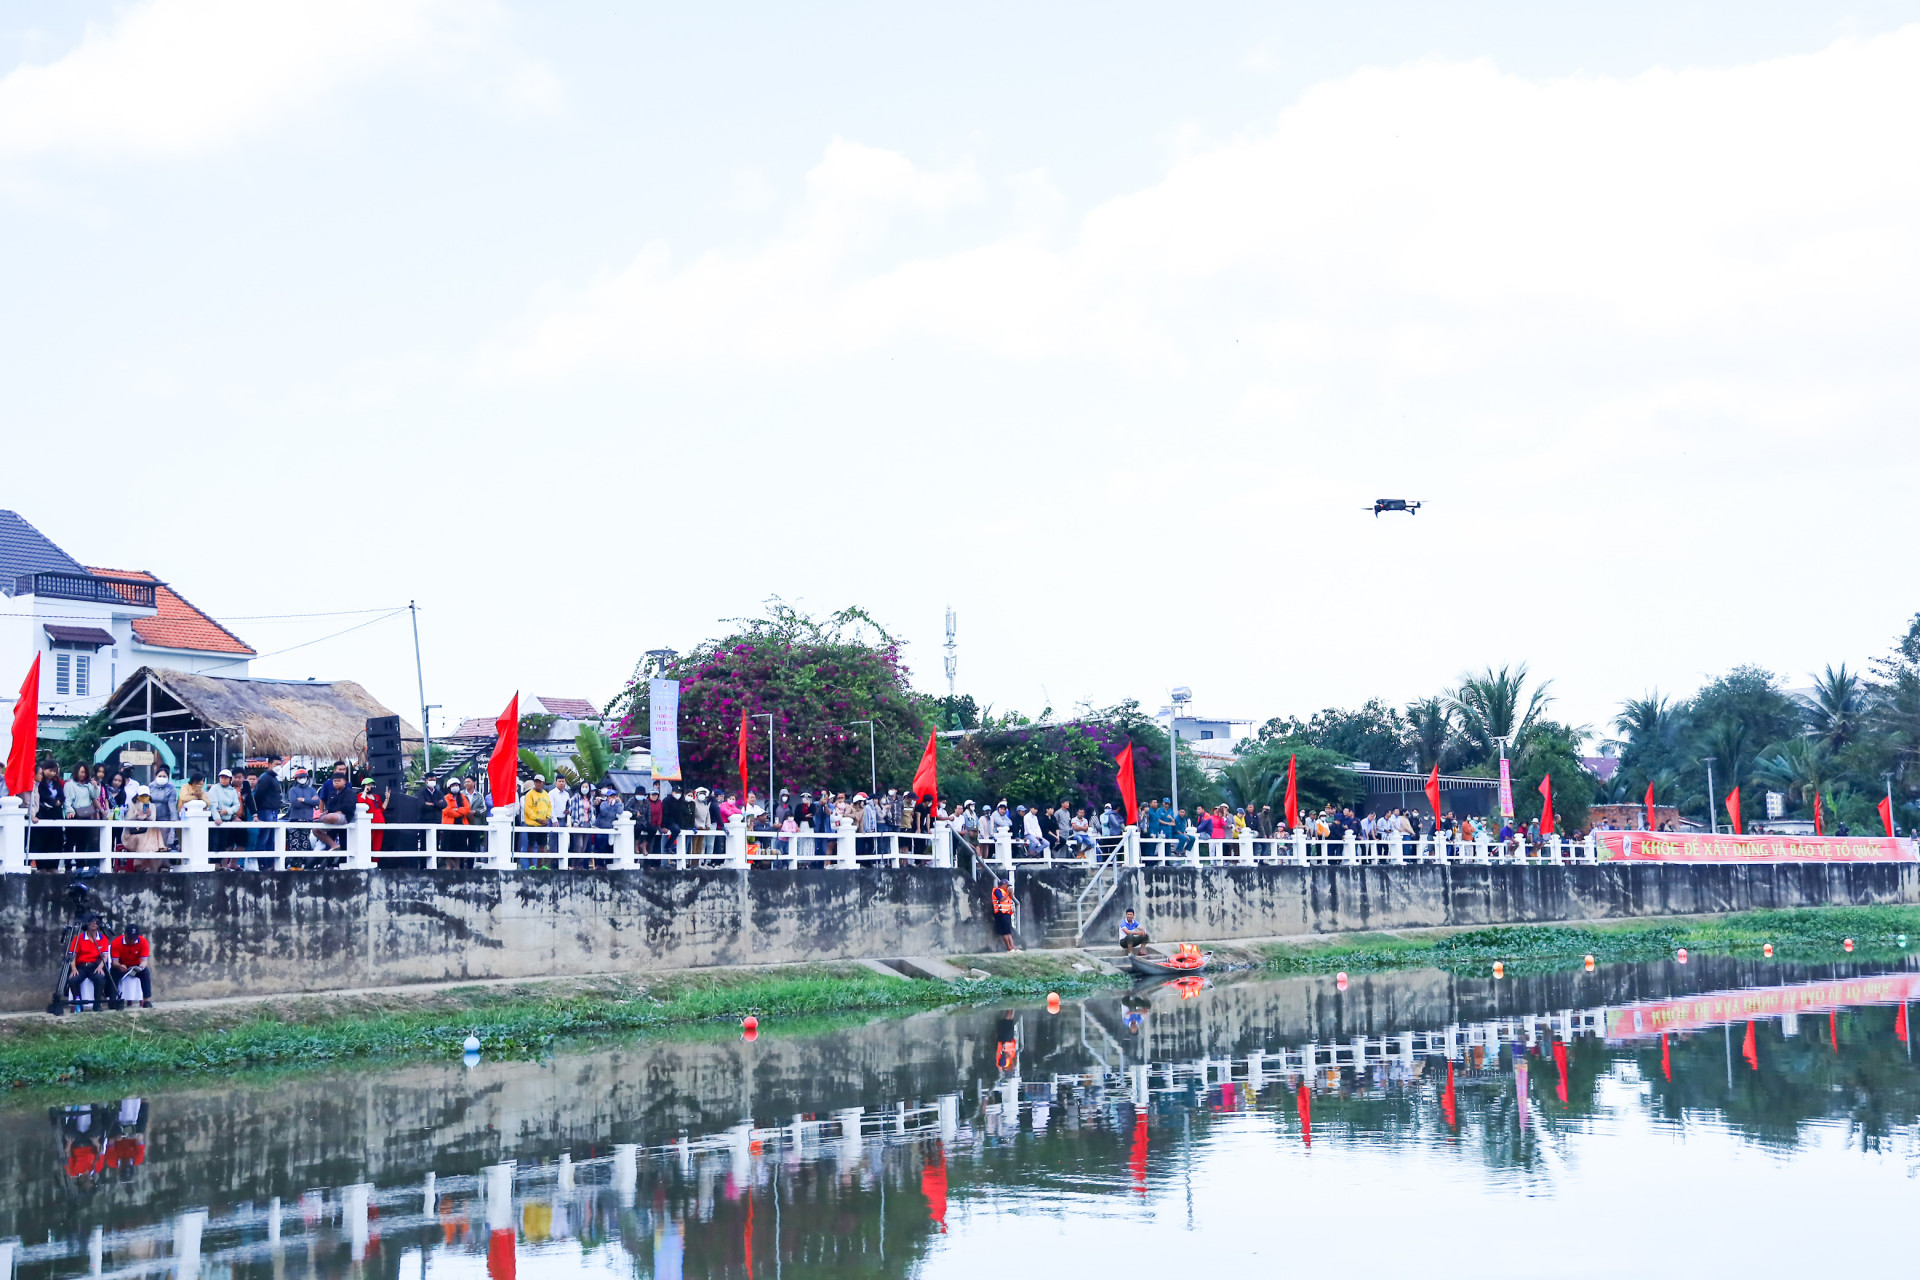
(1496, 704)
(1249, 781)
(1799, 769)
(1727, 743)
(1643, 722)
(1837, 708)
(1430, 734)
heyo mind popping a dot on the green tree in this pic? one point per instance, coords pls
(1376, 733)
(1495, 705)
(593, 754)
(83, 740)
(1321, 777)
(1836, 710)
(1431, 739)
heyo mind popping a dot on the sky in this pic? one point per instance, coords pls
(589, 326)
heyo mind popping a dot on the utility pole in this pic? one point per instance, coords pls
(1894, 826)
(953, 652)
(873, 764)
(1181, 697)
(426, 722)
(768, 717)
(1713, 818)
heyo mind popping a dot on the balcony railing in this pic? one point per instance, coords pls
(98, 588)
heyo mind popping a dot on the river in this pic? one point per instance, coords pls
(1721, 1117)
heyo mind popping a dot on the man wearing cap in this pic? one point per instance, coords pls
(131, 953)
(536, 810)
(224, 803)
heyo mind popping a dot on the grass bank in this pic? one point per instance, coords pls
(1813, 934)
(510, 1021)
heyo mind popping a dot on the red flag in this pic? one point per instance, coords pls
(503, 770)
(926, 779)
(1733, 810)
(1293, 792)
(1886, 813)
(1433, 793)
(1819, 827)
(26, 733)
(1129, 798)
(1546, 811)
(743, 756)
(1653, 814)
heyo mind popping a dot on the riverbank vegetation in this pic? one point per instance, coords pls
(515, 1020)
(1816, 934)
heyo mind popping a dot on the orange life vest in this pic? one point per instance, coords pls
(1006, 1055)
(1002, 900)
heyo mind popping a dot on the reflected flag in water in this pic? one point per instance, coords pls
(1750, 1050)
(933, 1185)
(1900, 1023)
(1137, 1158)
(1447, 1107)
(500, 1259)
(1560, 1063)
(1666, 1059)
(1306, 1115)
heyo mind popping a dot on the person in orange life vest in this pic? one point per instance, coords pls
(376, 810)
(131, 953)
(87, 959)
(1003, 914)
(1006, 1052)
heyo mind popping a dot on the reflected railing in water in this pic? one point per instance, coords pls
(1078, 1107)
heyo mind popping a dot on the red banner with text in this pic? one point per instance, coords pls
(1693, 1013)
(1698, 846)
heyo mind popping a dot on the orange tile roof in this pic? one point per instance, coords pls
(176, 624)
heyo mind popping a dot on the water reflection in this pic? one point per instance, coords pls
(1166, 1128)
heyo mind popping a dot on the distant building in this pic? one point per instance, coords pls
(94, 626)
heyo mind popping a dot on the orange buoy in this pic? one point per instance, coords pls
(1053, 1002)
(1589, 964)
(749, 1023)
(1340, 980)
(1499, 969)
(1767, 951)
(1846, 944)
(1682, 957)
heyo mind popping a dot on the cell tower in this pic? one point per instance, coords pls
(953, 649)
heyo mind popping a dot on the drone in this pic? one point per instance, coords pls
(1394, 504)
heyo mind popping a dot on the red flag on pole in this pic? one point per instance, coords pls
(1293, 792)
(1733, 810)
(926, 779)
(1546, 810)
(1819, 827)
(503, 770)
(1129, 797)
(743, 756)
(1653, 814)
(26, 733)
(1433, 793)
(1886, 813)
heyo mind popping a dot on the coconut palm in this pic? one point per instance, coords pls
(1497, 704)
(1727, 742)
(1799, 769)
(1837, 708)
(1643, 722)
(1431, 734)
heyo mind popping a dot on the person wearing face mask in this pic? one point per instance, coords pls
(166, 805)
(456, 810)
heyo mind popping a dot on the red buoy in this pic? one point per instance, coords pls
(1767, 951)
(1846, 944)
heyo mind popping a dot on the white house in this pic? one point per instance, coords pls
(94, 626)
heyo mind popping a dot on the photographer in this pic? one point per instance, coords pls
(86, 961)
(131, 953)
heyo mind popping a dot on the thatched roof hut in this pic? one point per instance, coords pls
(317, 719)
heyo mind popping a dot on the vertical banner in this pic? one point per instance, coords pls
(663, 729)
(1506, 789)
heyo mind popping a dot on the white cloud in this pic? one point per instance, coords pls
(1434, 221)
(176, 77)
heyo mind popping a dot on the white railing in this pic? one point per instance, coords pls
(194, 840)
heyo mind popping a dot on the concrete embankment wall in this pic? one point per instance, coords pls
(230, 933)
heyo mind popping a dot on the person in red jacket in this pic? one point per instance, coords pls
(376, 811)
(131, 953)
(86, 961)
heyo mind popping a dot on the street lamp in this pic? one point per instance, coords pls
(1182, 695)
(768, 717)
(1713, 818)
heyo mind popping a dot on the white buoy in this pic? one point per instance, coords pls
(472, 1045)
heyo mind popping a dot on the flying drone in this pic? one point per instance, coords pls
(1394, 504)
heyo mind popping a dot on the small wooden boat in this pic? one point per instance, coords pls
(1185, 961)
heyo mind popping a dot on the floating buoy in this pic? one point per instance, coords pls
(1589, 964)
(1846, 944)
(1767, 951)
(1053, 1002)
(1340, 980)
(472, 1045)
(1902, 941)
(1682, 957)
(749, 1024)
(750, 1034)
(1499, 969)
